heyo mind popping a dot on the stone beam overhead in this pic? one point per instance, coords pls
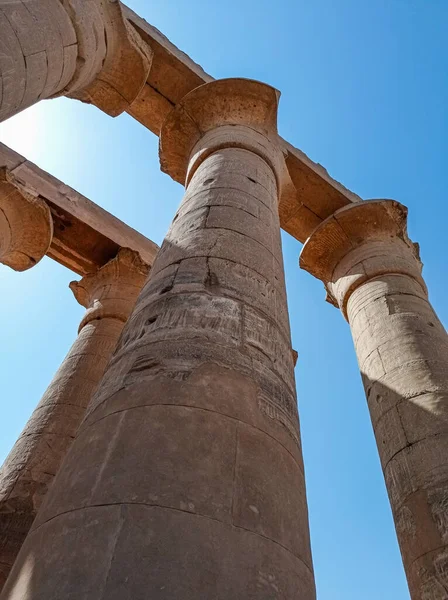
(100, 52)
(173, 74)
(85, 236)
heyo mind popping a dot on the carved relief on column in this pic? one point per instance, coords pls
(86, 50)
(186, 478)
(26, 227)
(372, 271)
(109, 295)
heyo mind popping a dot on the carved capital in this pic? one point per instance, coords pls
(113, 61)
(227, 113)
(360, 242)
(111, 291)
(26, 226)
(84, 49)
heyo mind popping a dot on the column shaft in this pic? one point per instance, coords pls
(374, 275)
(30, 467)
(186, 479)
(36, 456)
(402, 351)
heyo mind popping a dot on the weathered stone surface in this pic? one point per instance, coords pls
(266, 499)
(190, 450)
(84, 237)
(25, 477)
(166, 538)
(120, 69)
(26, 226)
(372, 272)
(87, 50)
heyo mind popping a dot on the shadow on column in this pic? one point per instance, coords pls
(412, 438)
(186, 478)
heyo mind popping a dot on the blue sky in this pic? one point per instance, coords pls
(364, 90)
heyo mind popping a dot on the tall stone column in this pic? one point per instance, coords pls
(109, 296)
(186, 478)
(372, 271)
(26, 227)
(86, 50)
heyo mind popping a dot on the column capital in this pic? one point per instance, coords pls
(357, 243)
(86, 50)
(116, 62)
(26, 226)
(226, 113)
(112, 290)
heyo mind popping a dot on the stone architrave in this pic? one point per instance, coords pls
(372, 271)
(85, 50)
(186, 478)
(109, 296)
(26, 227)
(85, 236)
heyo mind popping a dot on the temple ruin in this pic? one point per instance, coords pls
(173, 418)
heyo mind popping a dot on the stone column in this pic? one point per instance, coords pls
(109, 296)
(186, 478)
(372, 271)
(26, 227)
(86, 50)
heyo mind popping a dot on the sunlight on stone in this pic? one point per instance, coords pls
(23, 587)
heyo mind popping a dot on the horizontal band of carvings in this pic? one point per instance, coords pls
(173, 75)
(85, 235)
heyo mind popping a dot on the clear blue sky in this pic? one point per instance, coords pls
(364, 93)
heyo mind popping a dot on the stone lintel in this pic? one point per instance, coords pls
(85, 235)
(360, 242)
(173, 74)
